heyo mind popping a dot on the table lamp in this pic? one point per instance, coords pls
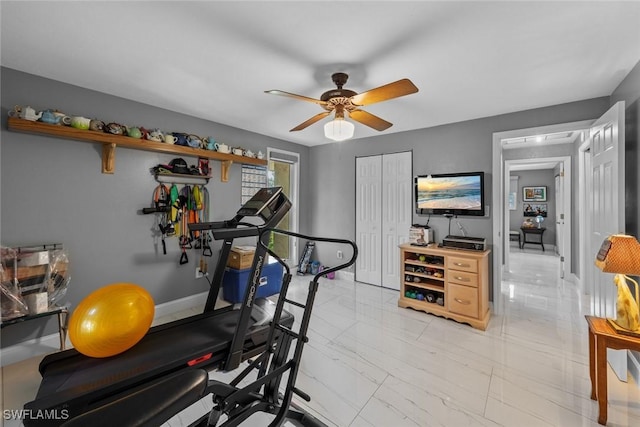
(620, 254)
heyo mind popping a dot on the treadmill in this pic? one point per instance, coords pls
(74, 384)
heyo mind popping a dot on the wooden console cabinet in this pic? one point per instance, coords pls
(451, 283)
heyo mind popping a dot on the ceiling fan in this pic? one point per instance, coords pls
(341, 100)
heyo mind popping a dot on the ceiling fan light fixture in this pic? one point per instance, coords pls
(339, 129)
(343, 101)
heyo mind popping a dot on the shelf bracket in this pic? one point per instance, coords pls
(108, 158)
(224, 169)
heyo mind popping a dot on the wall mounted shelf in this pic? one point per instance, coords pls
(177, 178)
(110, 142)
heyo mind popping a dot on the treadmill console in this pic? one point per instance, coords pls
(260, 203)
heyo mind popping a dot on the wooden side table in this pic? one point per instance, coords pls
(603, 336)
(535, 231)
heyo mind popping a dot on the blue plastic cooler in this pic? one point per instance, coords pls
(234, 282)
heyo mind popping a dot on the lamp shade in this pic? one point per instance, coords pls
(339, 129)
(619, 254)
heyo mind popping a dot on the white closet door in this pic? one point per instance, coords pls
(368, 219)
(396, 213)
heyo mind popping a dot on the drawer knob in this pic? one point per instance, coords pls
(462, 279)
(458, 300)
(459, 264)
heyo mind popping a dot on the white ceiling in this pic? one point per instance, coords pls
(214, 60)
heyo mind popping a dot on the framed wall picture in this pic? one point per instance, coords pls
(535, 209)
(534, 194)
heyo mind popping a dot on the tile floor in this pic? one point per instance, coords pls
(370, 363)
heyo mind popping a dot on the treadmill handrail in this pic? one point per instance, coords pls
(211, 225)
(350, 262)
(225, 233)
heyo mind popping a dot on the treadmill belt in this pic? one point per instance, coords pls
(70, 375)
(155, 350)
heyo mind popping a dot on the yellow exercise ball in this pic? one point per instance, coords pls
(111, 320)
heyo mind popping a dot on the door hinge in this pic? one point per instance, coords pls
(561, 259)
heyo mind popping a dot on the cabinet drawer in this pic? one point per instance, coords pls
(463, 278)
(462, 300)
(463, 264)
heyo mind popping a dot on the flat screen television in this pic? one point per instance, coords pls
(450, 194)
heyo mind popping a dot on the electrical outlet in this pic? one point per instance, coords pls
(199, 273)
(339, 254)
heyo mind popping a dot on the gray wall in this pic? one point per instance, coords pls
(629, 91)
(456, 147)
(536, 178)
(53, 191)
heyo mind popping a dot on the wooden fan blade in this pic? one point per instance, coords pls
(293, 95)
(370, 120)
(392, 90)
(311, 121)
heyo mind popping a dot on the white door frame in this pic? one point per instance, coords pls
(584, 190)
(499, 196)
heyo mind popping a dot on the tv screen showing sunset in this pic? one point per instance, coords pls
(459, 192)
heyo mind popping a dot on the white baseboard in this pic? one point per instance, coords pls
(30, 348)
(168, 308)
(346, 275)
(51, 343)
(634, 366)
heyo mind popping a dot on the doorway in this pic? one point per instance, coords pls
(282, 171)
(524, 138)
(602, 151)
(557, 204)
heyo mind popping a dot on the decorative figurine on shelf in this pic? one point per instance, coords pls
(156, 135)
(210, 143)
(96, 125)
(80, 122)
(194, 141)
(144, 133)
(26, 113)
(49, 116)
(114, 128)
(134, 132)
